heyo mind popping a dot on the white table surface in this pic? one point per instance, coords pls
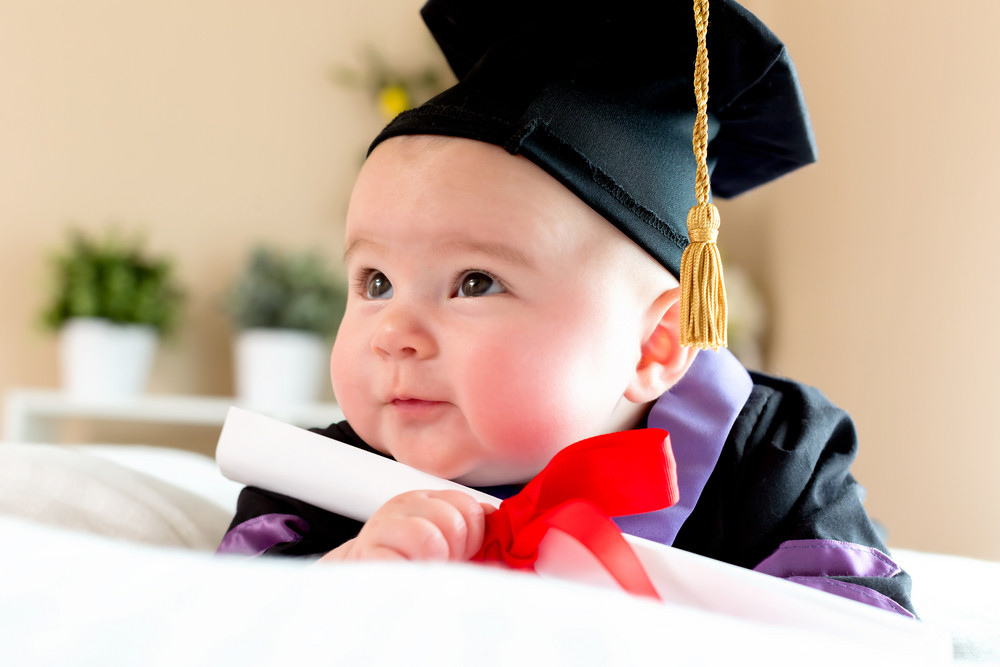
(31, 414)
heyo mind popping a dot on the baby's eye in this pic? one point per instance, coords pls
(377, 286)
(477, 283)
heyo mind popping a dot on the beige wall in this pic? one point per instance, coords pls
(212, 125)
(879, 260)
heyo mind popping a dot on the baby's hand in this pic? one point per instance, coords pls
(419, 525)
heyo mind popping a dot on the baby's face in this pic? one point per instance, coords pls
(493, 317)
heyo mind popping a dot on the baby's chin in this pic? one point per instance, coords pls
(495, 477)
(463, 473)
(439, 466)
(462, 464)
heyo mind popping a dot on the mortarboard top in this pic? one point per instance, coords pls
(601, 96)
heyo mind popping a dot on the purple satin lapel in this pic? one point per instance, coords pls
(698, 412)
(255, 536)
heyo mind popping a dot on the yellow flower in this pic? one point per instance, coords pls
(393, 100)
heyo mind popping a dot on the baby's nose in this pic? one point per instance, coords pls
(402, 333)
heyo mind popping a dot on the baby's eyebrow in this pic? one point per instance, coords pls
(501, 251)
(353, 247)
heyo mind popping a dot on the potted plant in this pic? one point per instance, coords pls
(284, 306)
(110, 303)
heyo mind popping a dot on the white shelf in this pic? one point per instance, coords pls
(31, 414)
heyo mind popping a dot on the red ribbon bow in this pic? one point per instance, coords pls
(578, 492)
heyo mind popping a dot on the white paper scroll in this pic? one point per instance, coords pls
(259, 451)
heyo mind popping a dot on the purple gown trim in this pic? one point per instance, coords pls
(255, 536)
(827, 558)
(810, 562)
(698, 413)
(855, 592)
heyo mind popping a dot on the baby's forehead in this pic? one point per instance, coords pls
(436, 191)
(490, 165)
(466, 180)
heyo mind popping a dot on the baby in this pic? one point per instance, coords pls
(513, 248)
(494, 318)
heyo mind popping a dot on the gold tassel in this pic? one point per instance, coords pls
(703, 291)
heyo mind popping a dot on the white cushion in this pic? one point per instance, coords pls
(73, 488)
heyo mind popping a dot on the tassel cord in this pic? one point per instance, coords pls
(703, 292)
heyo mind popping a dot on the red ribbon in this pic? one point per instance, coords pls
(578, 492)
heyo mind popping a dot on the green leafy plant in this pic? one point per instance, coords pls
(287, 291)
(112, 278)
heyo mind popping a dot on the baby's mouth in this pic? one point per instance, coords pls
(412, 402)
(416, 410)
(415, 406)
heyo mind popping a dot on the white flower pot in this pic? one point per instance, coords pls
(277, 368)
(102, 360)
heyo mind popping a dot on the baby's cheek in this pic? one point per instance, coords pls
(347, 376)
(565, 404)
(337, 373)
(523, 414)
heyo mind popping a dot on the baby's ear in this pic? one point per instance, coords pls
(663, 361)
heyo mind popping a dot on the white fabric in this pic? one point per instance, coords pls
(962, 597)
(72, 598)
(190, 471)
(72, 488)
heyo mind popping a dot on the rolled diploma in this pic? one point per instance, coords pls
(256, 450)
(260, 451)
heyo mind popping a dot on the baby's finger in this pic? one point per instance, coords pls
(411, 524)
(414, 537)
(465, 537)
(355, 550)
(376, 552)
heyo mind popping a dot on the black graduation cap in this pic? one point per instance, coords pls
(601, 95)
